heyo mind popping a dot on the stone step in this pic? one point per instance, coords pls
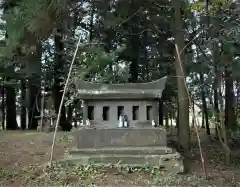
(122, 151)
(120, 137)
(169, 162)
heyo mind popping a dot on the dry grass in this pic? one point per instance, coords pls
(23, 158)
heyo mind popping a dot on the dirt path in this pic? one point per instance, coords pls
(20, 149)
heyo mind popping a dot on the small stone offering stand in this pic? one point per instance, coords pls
(137, 145)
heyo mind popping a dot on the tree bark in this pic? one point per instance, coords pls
(230, 117)
(11, 114)
(23, 103)
(160, 112)
(34, 86)
(11, 121)
(222, 132)
(216, 83)
(193, 113)
(70, 113)
(91, 29)
(34, 107)
(3, 107)
(177, 119)
(145, 57)
(183, 120)
(135, 42)
(166, 119)
(204, 105)
(203, 121)
(58, 79)
(237, 97)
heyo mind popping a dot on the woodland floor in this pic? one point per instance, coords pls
(23, 158)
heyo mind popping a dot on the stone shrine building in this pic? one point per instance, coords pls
(104, 103)
(103, 142)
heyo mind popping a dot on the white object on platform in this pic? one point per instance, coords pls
(125, 124)
(88, 122)
(153, 123)
(120, 122)
(81, 123)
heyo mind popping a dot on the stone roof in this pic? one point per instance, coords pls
(149, 90)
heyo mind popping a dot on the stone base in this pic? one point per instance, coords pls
(120, 137)
(122, 151)
(161, 157)
(133, 147)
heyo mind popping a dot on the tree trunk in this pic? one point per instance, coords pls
(222, 132)
(184, 132)
(193, 113)
(70, 113)
(135, 43)
(11, 114)
(11, 121)
(167, 122)
(217, 76)
(135, 57)
(230, 117)
(177, 119)
(237, 98)
(58, 80)
(203, 122)
(3, 107)
(34, 107)
(204, 105)
(91, 29)
(23, 103)
(210, 96)
(160, 112)
(145, 58)
(34, 92)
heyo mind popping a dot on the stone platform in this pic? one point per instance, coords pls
(135, 147)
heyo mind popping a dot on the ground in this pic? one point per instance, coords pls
(24, 160)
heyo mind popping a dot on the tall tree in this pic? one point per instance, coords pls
(204, 105)
(11, 121)
(183, 101)
(230, 117)
(34, 85)
(134, 41)
(59, 78)
(23, 104)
